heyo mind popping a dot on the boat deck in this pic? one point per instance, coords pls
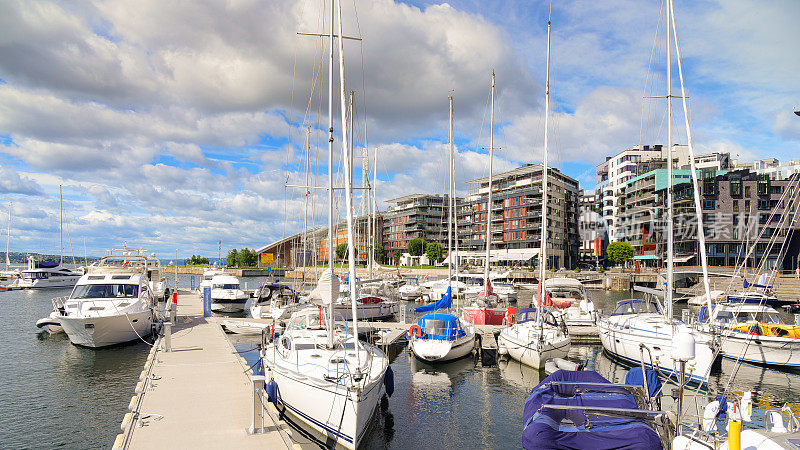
(199, 394)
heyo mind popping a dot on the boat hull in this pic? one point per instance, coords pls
(434, 350)
(334, 412)
(369, 311)
(764, 350)
(107, 330)
(621, 337)
(529, 350)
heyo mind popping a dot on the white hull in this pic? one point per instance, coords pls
(328, 408)
(107, 330)
(622, 335)
(228, 307)
(283, 313)
(368, 311)
(51, 324)
(434, 350)
(767, 350)
(45, 283)
(242, 327)
(521, 342)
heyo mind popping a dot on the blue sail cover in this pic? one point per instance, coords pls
(440, 326)
(568, 429)
(443, 303)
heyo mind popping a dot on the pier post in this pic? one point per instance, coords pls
(167, 336)
(206, 301)
(257, 418)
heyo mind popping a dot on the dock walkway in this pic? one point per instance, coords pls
(198, 395)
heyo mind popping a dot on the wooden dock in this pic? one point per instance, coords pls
(199, 394)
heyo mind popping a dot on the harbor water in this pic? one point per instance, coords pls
(54, 394)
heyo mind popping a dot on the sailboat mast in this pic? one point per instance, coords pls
(670, 181)
(543, 239)
(701, 234)
(61, 225)
(305, 210)
(489, 198)
(8, 235)
(351, 257)
(374, 208)
(330, 176)
(450, 201)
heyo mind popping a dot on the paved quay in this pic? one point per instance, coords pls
(199, 394)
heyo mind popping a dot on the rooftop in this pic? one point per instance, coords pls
(525, 169)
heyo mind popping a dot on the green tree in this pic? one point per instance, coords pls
(380, 254)
(416, 247)
(233, 255)
(246, 258)
(397, 253)
(341, 251)
(619, 252)
(434, 252)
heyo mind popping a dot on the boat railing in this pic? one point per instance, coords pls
(58, 303)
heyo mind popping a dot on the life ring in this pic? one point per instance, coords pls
(415, 330)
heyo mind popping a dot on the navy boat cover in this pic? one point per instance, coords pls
(441, 326)
(46, 264)
(568, 429)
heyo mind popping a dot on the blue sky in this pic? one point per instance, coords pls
(175, 124)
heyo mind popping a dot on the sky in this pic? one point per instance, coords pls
(176, 125)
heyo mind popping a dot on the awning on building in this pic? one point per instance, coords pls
(645, 257)
(682, 259)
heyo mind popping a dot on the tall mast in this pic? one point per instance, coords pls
(543, 243)
(450, 201)
(374, 207)
(305, 210)
(701, 234)
(489, 199)
(8, 235)
(351, 257)
(670, 181)
(330, 175)
(61, 225)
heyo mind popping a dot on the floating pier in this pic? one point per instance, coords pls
(196, 392)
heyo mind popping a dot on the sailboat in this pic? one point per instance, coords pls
(640, 331)
(48, 274)
(485, 309)
(533, 342)
(317, 370)
(8, 273)
(439, 336)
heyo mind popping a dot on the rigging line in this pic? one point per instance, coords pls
(647, 76)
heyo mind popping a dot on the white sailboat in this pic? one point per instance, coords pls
(485, 308)
(442, 337)
(321, 373)
(638, 330)
(533, 342)
(8, 273)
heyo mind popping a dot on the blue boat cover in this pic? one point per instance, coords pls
(443, 303)
(635, 378)
(747, 284)
(46, 264)
(568, 429)
(440, 326)
(526, 315)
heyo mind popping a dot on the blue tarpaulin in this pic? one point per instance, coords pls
(545, 428)
(635, 378)
(440, 326)
(445, 302)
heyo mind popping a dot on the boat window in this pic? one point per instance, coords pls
(345, 345)
(105, 291)
(304, 346)
(726, 317)
(635, 307)
(764, 317)
(226, 286)
(435, 327)
(566, 292)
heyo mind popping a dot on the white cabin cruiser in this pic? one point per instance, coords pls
(411, 289)
(275, 301)
(207, 276)
(569, 295)
(226, 294)
(45, 274)
(753, 333)
(370, 307)
(110, 304)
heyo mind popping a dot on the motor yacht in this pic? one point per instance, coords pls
(45, 274)
(275, 301)
(569, 296)
(111, 304)
(226, 294)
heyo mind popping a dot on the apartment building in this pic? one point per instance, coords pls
(776, 170)
(516, 216)
(416, 216)
(740, 209)
(592, 230)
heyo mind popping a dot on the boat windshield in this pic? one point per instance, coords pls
(83, 291)
(35, 275)
(636, 307)
(566, 292)
(733, 318)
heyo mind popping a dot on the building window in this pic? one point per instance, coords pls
(747, 191)
(708, 204)
(736, 205)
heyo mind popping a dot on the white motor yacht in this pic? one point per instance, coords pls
(411, 289)
(206, 278)
(569, 295)
(275, 301)
(111, 304)
(754, 334)
(226, 294)
(45, 274)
